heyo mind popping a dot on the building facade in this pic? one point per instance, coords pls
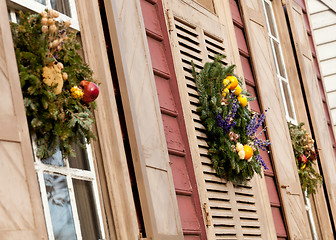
(149, 174)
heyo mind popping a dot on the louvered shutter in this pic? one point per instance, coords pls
(230, 212)
(269, 89)
(313, 95)
(21, 215)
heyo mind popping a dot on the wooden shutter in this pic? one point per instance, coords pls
(21, 215)
(230, 212)
(313, 95)
(118, 202)
(269, 89)
(143, 120)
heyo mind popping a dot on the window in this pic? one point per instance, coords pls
(66, 8)
(70, 196)
(279, 61)
(68, 187)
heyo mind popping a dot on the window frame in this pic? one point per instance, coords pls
(69, 173)
(281, 78)
(66, 171)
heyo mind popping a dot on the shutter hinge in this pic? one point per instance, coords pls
(288, 190)
(170, 20)
(207, 215)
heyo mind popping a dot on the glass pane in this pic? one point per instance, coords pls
(59, 206)
(41, 1)
(55, 160)
(270, 19)
(61, 6)
(281, 66)
(288, 99)
(81, 160)
(87, 210)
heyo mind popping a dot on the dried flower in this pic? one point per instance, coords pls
(241, 154)
(239, 147)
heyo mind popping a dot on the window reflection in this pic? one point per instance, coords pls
(41, 1)
(59, 207)
(87, 212)
(55, 160)
(61, 6)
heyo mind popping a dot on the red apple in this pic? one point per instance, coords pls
(302, 159)
(91, 91)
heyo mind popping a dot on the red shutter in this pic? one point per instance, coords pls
(255, 106)
(172, 117)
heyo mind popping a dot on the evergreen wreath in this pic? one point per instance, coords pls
(231, 128)
(306, 156)
(50, 70)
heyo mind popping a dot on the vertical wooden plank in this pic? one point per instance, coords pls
(21, 215)
(269, 89)
(108, 126)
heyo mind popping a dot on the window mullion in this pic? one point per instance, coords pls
(13, 16)
(45, 204)
(274, 57)
(283, 96)
(74, 207)
(48, 4)
(95, 190)
(75, 173)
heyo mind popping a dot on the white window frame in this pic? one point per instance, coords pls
(66, 171)
(280, 78)
(69, 173)
(39, 7)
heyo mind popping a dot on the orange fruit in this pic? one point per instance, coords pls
(242, 100)
(234, 82)
(226, 83)
(238, 90)
(248, 152)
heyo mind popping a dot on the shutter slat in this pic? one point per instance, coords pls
(187, 36)
(185, 27)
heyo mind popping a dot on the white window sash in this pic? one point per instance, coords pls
(38, 7)
(277, 64)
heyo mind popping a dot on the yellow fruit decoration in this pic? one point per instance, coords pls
(234, 82)
(237, 90)
(248, 152)
(225, 91)
(76, 92)
(226, 83)
(242, 100)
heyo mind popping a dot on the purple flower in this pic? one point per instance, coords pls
(261, 161)
(261, 144)
(229, 122)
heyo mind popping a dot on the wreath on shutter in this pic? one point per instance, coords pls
(306, 156)
(231, 128)
(57, 86)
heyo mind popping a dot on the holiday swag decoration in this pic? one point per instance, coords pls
(57, 86)
(305, 155)
(231, 128)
